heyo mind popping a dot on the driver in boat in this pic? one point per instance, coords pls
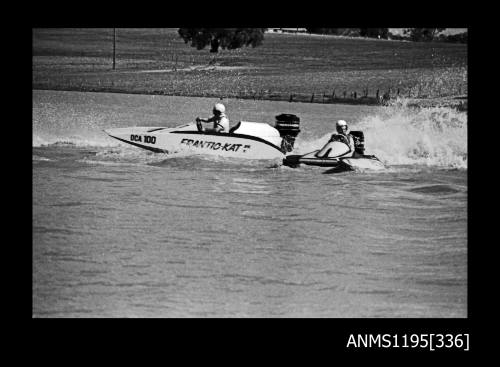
(342, 135)
(220, 120)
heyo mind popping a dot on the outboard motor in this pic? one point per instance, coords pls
(288, 126)
(359, 141)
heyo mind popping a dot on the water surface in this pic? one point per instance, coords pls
(122, 232)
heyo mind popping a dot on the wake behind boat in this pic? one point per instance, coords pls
(250, 140)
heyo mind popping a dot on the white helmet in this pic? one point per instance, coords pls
(220, 107)
(341, 123)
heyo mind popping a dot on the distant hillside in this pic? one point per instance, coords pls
(452, 35)
(446, 32)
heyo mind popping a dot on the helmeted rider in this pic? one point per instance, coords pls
(219, 118)
(343, 136)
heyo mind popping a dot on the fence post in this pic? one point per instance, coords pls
(312, 98)
(378, 94)
(114, 48)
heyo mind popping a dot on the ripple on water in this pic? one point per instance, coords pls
(434, 189)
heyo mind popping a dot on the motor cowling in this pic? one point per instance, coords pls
(359, 141)
(288, 126)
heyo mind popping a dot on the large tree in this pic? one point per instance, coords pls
(225, 38)
(423, 34)
(323, 30)
(374, 32)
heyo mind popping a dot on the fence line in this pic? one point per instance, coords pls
(353, 98)
(376, 97)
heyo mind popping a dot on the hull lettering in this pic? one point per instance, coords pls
(200, 144)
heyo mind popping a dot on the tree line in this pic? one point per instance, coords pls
(412, 34)
(233, 38)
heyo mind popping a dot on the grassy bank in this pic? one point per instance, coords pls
(285, 67)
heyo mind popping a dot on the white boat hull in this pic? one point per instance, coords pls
(188, 139)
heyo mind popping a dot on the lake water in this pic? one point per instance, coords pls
(123, 232)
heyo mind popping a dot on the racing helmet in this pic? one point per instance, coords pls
(340, 125)
(220, 108)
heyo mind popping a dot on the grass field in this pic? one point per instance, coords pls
(158, 61)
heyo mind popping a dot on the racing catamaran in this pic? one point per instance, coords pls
(339, 156)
